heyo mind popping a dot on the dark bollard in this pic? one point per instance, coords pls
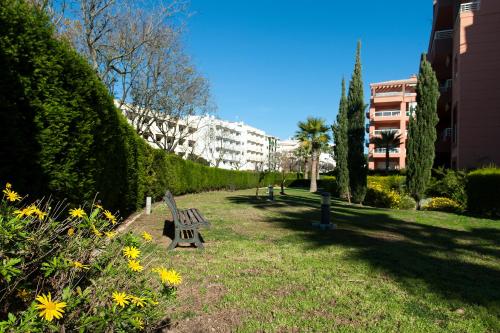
(325, 222)
(270, 191)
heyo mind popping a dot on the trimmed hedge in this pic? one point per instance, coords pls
(482, 191)
(61, 134)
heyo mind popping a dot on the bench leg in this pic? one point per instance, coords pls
(176, 240)
(197, 241)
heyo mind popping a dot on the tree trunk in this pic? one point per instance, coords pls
(387, 160)
(306, 168)
(314, 161)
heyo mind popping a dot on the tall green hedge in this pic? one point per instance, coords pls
(61, 134)
(482, 191)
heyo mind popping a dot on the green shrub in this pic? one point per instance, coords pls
(442, 204)
(407, 202)
(448, 183)
(388, 192)
(326, 183)
(482, 191)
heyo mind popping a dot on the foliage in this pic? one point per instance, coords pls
(443, 204)
(449, 183)
(313, 133)
(341, 146)
(422, 132)
(356, 136)
(62, 271)
(482, 191)
(388, 192)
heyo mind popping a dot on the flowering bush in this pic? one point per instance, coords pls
(442, 204)
(387, 192)
(68, 270)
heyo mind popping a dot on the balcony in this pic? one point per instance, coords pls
(388, 113)
(385, 130)
(382, 151)
(470, 6)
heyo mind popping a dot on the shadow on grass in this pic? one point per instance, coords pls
(456, 264)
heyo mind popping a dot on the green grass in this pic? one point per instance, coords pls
(266, 269)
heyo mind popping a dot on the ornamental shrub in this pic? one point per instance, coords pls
(483, 191)
(443, 204)
(449, 183)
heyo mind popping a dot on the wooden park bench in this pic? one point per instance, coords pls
(186, 223)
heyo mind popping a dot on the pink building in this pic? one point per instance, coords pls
(390, 106)
(464, 50)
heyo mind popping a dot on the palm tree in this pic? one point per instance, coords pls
(313, 133)
(304, 151)
(388, 140)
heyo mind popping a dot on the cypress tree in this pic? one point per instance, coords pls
(341, 148)
(356, 160)
(422, 132)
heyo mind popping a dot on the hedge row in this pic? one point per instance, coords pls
(62, 135)
(482, 191)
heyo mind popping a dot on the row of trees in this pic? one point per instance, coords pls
(349, 137)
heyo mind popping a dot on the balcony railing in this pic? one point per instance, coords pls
(470, 6)
(382, 151)
(443, 34)
(390, 113)
(389, 93)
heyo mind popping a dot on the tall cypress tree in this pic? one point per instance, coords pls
(341, 148)
(422, 132)
(356, 160)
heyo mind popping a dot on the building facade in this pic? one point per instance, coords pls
(326, 160)
(223, 144)
(464, 50)
(391, 103)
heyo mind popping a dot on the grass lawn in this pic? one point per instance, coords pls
(265, 269)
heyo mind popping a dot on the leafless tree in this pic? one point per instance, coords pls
(287, 164)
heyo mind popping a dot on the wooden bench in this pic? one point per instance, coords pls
(186, 223)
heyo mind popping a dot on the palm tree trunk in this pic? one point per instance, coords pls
(306, 168)
(314, 161)
(387, 159)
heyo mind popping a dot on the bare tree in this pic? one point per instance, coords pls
(287, 163)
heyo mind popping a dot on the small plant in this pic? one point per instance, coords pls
(443, 204)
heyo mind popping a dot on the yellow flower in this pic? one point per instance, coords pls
(135, 265)
(95, 231)
(147, 236)
(131, 252)
(79, 265)
(110, 216)
(41, 215)
(98, 206)
(137, 301)
(170, 277)
(71, 232)
(11, 195)
(19, 213)
(77, 212)
(8, 186)
(138, 323)
(110, 234)
(50, 309)
(120, 299)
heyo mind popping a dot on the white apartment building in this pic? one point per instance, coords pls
(224, 144)
(326, 160)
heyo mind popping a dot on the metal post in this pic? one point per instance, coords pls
(270, 191)
(148, 205)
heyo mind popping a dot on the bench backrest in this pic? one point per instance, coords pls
(170, 201)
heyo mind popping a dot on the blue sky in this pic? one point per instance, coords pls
(272, 63)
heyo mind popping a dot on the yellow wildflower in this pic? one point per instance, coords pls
(131, 252)
(71, 232)
(137, 301)
(147, 236)
(135, 265)
(120, 299)
(138, 323)
(110, 216)
(98, 206)
(110, 234)
(77, 212)
(19, 213)
(95, 231)
(50, 309)
(79, 265)
(41, 215)
(8, 186)
(11, 195)
(23, 294)
(170, 277)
